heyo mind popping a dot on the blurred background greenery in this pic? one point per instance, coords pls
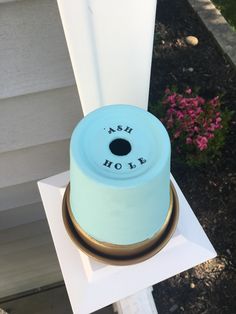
(228, 10)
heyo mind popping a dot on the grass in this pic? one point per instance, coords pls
(228, 10)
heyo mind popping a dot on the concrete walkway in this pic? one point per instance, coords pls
(52, 301)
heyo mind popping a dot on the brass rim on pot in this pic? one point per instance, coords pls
(125, 256)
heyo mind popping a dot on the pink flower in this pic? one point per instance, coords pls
(201, 142)
(210, 135)
(195, 102)
(167, 91)
(189, 140)
(218, 120)
(177, 134)
(183, 103)
(169, 123)
(188, 91)
(171, 98)
(179, 115)
(201, 100)
(199, 110)
(171, 111)
(212, 127)
(214, 102)
(191, 119)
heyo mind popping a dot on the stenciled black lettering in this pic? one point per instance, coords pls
(131, 165)
(108, 163)
(119, 128)
(111, 130)
(142, 160)
(118, 166)
(128, 129)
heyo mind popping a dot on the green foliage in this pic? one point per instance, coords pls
(228, 10)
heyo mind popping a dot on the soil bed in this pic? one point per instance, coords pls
(210, 287)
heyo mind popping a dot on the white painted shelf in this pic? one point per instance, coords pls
(91, 284)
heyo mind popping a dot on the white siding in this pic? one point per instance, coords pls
(33, 163)
(39, 103)
(39, 107)
(38, 118)
(19, 195)
(33, 51)
(25, 123)
(4, 1)
(28, 259)
(21, 215)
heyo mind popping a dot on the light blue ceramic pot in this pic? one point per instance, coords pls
(120, 174)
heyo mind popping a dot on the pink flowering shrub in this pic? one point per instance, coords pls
(197, 127)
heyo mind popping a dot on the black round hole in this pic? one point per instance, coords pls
(120, 147)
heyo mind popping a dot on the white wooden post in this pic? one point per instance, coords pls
(110, 44)
(139, 303)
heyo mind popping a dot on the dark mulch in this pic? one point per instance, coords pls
(209, 287)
